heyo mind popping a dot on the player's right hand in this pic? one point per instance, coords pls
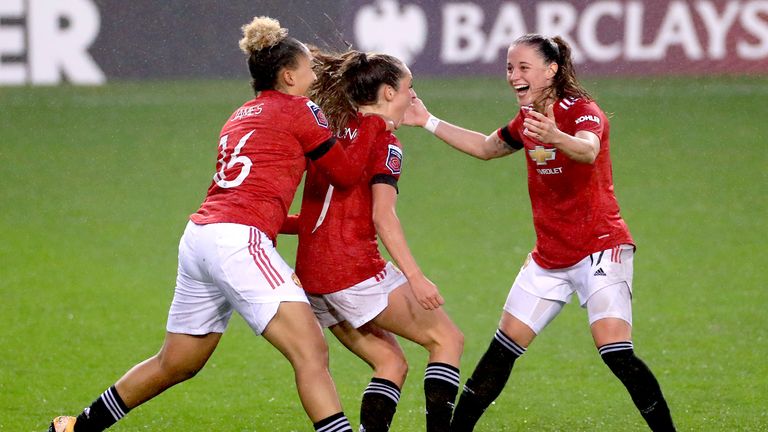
(426, 292)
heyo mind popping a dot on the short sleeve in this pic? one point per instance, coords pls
(586, 116)
(386, 158)
(310, 127)
(510, 135)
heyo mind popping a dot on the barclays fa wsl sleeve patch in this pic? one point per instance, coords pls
(394, 159)
(318, 114)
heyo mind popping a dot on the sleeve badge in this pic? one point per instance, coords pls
(318, 114)
(394, 159)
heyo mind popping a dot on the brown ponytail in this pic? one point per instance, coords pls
(350, 80)
(565, 82)
(328, 90)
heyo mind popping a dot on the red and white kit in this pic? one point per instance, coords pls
(227, 258)
(583, 246)
(575, 212)
(338, 248)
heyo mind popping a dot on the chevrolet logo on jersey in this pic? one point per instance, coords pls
(541, 155)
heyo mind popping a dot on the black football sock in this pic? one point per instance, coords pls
(379, 403)
(105, 411)
(335, 423)
(640, 383)
(441, 383)
(487, 381)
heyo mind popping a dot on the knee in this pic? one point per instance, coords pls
(453, 340)
(310, 358)
(399, 367)
(391, 365)
(459, 340)
(317, 352)
(448, 341)
(176, 369)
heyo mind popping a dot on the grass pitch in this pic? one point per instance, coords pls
(97, 184)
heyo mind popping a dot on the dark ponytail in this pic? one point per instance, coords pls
(365, 73)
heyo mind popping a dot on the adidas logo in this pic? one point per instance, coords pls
(599, 272)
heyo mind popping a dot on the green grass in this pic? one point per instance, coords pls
(97, 184)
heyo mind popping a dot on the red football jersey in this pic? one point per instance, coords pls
(261, 161)
(575, 212)
(338, 247)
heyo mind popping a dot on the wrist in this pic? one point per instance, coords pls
(431, 124)
(413, 273)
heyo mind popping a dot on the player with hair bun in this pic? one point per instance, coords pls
(583, 245)
(360, 297)
(227, 258)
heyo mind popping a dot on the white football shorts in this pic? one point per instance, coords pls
(359, 303)
(602, 281)
(225, 267)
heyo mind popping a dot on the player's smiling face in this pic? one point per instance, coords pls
(528, 73)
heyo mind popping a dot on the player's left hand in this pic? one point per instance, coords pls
(416, 114)
(542, 127)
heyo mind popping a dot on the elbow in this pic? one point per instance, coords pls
(343, 184)
(488, 155)
(484, 156)
(382, 218)
(378, 220)
(584, 159)
(591, 156)
(590, 153)
(484, 153)
(493, 149)
(586, 156)
(342, 179)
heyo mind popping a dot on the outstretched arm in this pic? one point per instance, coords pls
(392, 236)
(468, 141)
(342, 168)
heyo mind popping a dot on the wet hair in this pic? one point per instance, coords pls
(269, 50)
(556, 50)
(350, 80)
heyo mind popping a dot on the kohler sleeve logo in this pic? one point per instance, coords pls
(589, 117)
(46, 42)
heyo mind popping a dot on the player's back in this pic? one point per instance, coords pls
(261, 158)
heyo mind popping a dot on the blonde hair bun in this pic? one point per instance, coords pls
(262, 32)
